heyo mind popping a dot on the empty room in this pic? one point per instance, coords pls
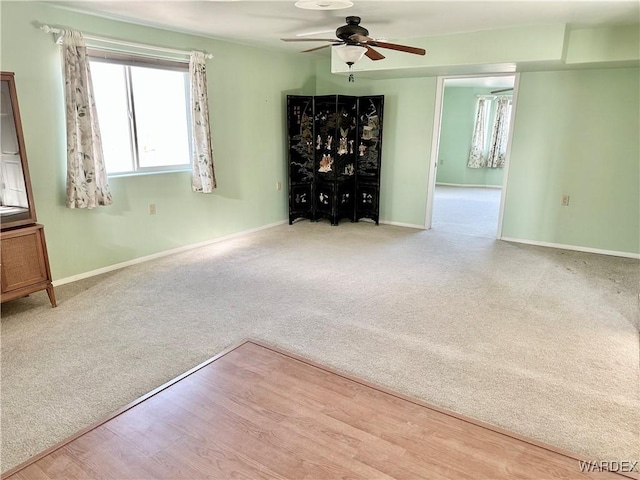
(320, 239)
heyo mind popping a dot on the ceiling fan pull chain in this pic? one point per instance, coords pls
(351, 79)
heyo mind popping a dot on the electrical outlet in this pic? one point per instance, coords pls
(152, 209)
(565, 200)
(278, 185)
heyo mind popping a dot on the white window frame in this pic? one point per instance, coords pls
(128, 61)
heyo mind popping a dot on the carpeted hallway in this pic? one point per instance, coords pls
(466, 210)
(540, 341)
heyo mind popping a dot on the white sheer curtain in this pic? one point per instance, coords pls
(87, 185)
(499, 137)
(478, 141)
(203, 176)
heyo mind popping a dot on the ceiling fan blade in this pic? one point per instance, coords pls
(372, 54)
(317, 32)
(364, 40)
(400, 48)
(317, 48)
(309, 39)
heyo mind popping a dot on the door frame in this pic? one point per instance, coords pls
(435, 143)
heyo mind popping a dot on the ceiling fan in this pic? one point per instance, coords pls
(353, 35)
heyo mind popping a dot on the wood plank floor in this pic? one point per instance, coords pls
(255, 412)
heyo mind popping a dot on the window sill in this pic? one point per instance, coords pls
(142, 174)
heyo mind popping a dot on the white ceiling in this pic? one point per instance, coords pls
(264, 22)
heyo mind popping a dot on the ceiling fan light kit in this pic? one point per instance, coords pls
(350, 54)
(323, 4)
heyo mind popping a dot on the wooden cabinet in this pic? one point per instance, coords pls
(23, 251)
(25, 264)
(335, 152)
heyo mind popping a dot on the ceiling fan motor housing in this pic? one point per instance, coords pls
(351, 28)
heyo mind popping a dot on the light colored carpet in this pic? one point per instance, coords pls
(540, 341)
(466, 210)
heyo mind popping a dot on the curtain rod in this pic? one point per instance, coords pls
(494, 96)
(57, 31)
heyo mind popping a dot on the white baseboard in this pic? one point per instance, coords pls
(467, 185)
(164, 253)
(400, 224)
(576, 248)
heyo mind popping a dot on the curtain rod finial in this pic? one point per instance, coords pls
(50, 29)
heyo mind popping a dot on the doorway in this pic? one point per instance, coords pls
(470, 152)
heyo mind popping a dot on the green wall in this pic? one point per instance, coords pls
(576, 133)
(409, 106)
(247, 87)
(605, 44)
(456, 131)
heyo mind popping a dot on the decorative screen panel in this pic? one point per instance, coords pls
(335, 145)
(301, 152)
(369, 136)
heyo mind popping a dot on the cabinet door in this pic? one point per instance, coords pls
(16, 199)
(23, 259)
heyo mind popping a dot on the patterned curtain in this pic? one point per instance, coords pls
(204, 178)
(476, 155)
(87, 185)
(499, 137)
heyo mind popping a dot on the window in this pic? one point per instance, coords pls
(143, 111)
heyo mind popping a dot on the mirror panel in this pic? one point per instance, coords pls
(16, 200)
